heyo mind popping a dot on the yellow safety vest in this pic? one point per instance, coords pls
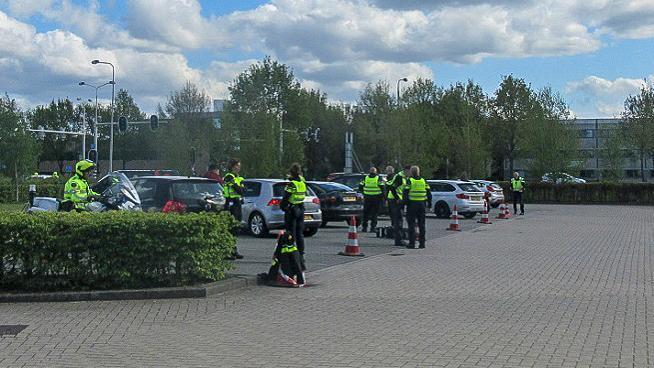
(228, 189)
(399, 189)
(417, 190)
(298, 190)
(371, 185)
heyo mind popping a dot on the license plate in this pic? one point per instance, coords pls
(349, 199)
(476, 198)
(308, 217)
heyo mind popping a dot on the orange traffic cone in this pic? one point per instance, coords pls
(352, 243)
(454, 225)
(503, 211)
(484, 215)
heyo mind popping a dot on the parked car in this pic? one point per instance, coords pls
(352, 180)
(261, 211)
(469, 199)
(179, 194)
(137, 173)
(338, 202)
(493, 190)
(562, 178)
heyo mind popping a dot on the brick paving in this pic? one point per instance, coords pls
(564, 286)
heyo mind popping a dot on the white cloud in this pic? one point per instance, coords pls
(603, 96)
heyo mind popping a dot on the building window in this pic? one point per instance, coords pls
(587, 133)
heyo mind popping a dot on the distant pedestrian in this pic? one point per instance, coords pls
(233, 191)
(417, 195)
(518, 188)
(372, 188)
(213, 173)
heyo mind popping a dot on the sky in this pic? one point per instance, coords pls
(594, 52)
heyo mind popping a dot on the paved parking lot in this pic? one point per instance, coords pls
(564, 286)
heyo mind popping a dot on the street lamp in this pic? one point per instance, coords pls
(398, 89)
(111, 126)
(95, 126)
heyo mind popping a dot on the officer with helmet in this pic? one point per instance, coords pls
(77, 192)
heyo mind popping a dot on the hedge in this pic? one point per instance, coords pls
(589, 193)
(51, 187)
(112, 250)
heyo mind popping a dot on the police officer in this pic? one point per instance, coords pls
(518, 187)
(418, 198)
(293, 205)
(77, 192)
(372, 188)
(394, 195)
(233, 190)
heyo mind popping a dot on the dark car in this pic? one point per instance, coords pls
(351, 180)
(338, 202)
(179, 194)
(131, 174)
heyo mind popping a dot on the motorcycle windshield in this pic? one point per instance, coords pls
(117, 190)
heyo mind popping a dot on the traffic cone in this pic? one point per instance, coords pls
(454, 225)
(503, 211)
(484, 215)
(352, 243)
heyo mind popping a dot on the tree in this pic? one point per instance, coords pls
(372, 121)
(512, 106)
(138, 142)
(613, 154)
(19, 149)
(638, 119)
(60, 115)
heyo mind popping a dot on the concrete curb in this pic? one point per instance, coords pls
(200, 291)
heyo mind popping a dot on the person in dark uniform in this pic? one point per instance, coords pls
(372, 188)
(293, 206)
(394, 195)
(233, 190)
(417, 195)
(518, 187)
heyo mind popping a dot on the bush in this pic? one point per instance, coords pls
(51, 187)
(82, 251)
(600, 193)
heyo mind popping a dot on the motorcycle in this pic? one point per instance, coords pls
(117, 193)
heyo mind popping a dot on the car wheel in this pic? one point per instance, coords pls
(442, 210)
(310, 231)
(257, 225)
(470, 215)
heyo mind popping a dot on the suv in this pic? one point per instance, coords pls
(261, 211)
(465, 195)
(179, 194)
(493, 190)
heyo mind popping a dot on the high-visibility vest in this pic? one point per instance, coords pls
(371, 185)
(298, 190)
(399, 189)
(517, 184)
(417, 190)
(77, 190)
(228, 190)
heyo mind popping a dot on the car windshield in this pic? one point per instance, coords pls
(196, 189)
(468, 187)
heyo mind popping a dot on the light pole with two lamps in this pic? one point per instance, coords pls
(95, 126)
(111, 126)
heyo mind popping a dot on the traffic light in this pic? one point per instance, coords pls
(154, 122)
(93, 155)
(122, 124)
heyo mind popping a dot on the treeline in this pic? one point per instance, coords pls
(270, 121)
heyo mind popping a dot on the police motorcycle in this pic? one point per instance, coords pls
(116, 193)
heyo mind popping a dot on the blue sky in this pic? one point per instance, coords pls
(594, 52)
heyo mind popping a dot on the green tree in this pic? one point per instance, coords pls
(638, 119)
(372, 121)
(613, 154)
(138, 142)
(19, 149)
(59, 115)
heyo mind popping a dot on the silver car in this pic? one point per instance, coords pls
(469, 200)
(261, 211)
(494, 191)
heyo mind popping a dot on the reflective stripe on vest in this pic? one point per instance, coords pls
(289, 249)
(371, 186)
(298, 191)
(517, 184)
(417, 190)
(228, 189)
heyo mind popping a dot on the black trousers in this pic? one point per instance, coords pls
(395, 209)
(371, 206)
(294, 224)
(233, 205)
(517, 198)
(416, 212)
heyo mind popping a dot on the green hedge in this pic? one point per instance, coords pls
(600, 193)
(112, 250)
(45, 188)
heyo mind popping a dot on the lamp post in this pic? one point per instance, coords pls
(398, 88)
(83, 127)
(95, 126)
(111, 126)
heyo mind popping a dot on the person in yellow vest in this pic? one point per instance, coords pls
(372, 188)
(233, 190)
(417, 195)
(77, 192)
(394, 195)
(293, 206)
(518, 187)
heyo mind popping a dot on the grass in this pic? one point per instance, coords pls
(11, 207)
